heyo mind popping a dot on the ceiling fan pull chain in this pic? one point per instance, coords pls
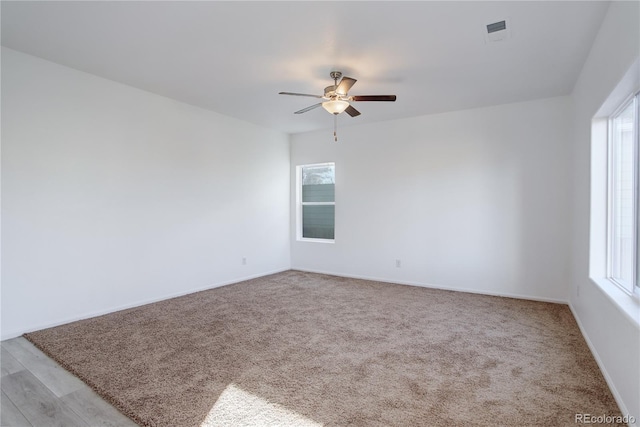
(335, 128)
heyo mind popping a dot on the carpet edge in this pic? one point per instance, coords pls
(103, 394)
(90, 315)
(435, 286)
(594, 353)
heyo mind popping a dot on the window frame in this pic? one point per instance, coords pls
(632, 288)
(300, 204)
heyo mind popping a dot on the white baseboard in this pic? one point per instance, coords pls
(14, 334)
(432, 286)
(603, 369)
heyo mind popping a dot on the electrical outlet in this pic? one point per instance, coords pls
(397, 263)
(244, 261)
(578, 291)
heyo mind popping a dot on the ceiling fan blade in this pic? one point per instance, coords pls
(352, 111)
(304, 110)
(299, 94)
(373, 98)
(344, 85)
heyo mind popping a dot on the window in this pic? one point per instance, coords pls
(623, 205)
(316, 202)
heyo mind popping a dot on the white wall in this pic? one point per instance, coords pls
(473, 200)
(113, 196)
(613, 335)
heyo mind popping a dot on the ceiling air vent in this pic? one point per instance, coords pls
(497, 31)
(496, 26)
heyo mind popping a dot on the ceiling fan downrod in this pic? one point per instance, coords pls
(335, 75)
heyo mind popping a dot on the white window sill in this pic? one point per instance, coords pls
(316, 240)
(629, 304)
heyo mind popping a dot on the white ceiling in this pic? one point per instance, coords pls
(234, 57)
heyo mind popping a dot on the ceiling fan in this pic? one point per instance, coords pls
(337, 100)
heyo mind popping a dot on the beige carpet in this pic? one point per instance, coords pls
(302, 349)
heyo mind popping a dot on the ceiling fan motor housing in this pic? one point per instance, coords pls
(330, 91)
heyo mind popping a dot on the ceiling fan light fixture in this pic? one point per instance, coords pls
(335, 106)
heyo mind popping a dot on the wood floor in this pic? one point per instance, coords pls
(36, 391)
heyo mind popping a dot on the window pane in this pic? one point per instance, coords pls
(320, 174)
(318, 193)
(623, 227)
(318, 221)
